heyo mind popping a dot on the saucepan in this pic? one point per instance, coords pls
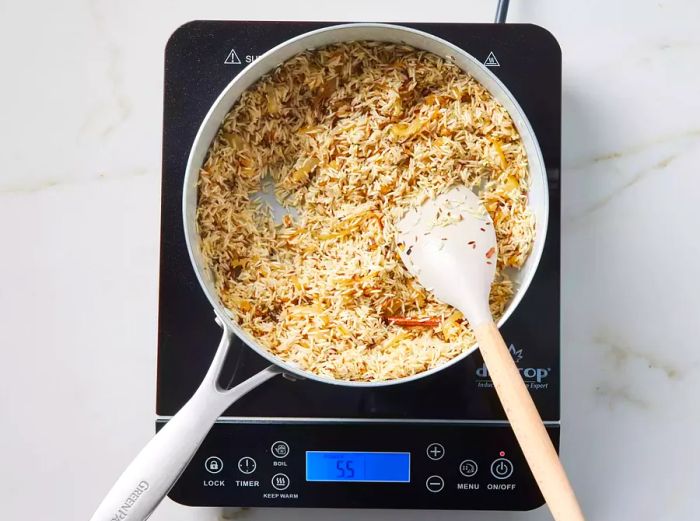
(153, 472)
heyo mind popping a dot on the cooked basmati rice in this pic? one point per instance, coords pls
(351, 135)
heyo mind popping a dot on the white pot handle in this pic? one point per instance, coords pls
(150, 476)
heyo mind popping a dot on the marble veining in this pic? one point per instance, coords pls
(682, 143)
(121, 104)
(65, 181)
(619, 395)
(79, 206)
(620, 353)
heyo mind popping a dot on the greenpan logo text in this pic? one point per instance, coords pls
(130, 501)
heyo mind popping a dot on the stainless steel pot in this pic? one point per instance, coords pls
(149, 477)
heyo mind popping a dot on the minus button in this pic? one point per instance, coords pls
(434, 483)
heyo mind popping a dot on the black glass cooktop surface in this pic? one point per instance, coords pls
(201, 59)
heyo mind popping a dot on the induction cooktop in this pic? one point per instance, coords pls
(441, 442)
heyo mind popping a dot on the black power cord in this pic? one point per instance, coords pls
(501, 11)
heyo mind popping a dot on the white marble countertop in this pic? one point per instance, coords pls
(79, 213)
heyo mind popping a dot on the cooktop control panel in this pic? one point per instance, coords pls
(380, 465)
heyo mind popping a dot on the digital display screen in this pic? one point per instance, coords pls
(386, 467)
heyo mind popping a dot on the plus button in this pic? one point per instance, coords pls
(435, 451)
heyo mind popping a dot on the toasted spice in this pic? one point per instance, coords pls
(414, 322)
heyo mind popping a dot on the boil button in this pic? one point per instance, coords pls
(280, 449)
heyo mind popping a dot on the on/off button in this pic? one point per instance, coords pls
(501, 468)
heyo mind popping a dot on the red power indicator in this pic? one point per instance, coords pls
(502, 453)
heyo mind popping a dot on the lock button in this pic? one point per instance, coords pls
(213, 465)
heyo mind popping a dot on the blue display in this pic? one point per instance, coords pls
(388, 467)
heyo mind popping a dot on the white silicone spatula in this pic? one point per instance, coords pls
(449, 245)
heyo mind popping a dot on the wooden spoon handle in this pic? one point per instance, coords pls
(527, 425)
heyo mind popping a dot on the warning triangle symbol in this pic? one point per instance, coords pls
(232, 58)
(491, 60)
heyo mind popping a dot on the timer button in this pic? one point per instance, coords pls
(246, 465)
(501, 468)
(280, 449)
(434, 483)
(280, 481)
(435, 451)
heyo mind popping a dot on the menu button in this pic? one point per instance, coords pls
(468, 468)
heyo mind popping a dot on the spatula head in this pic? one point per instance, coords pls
(449, 244)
